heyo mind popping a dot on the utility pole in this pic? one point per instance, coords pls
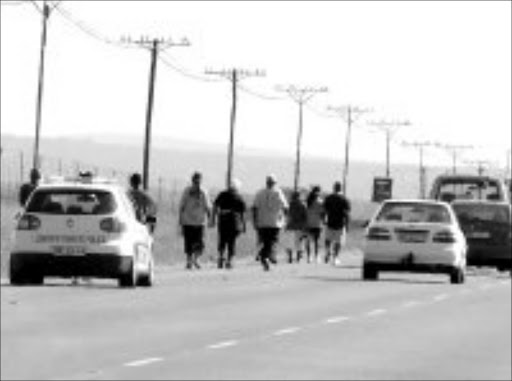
(389, 128)
(233, 75)
(45, 11)
(155, 45)
(423, 180)
(350, 114)
(454, 150)
(300, 95)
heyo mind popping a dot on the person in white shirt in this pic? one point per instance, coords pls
(194, 213)
(269, 216)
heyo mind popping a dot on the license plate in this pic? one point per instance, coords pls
(479, 235)
(413, 237)
(69, 250)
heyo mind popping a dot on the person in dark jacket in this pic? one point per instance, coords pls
(145, 207)
(296, 223)
(315, 222)
(229, 213)
(337, 210)
(27, 188)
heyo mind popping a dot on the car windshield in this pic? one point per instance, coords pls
(469, 189)
(72, 201)
(411, 212)
(468, 213)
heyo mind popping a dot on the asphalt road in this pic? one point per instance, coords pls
(300, 321)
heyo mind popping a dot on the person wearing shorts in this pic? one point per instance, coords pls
(337, 212)
(194, 212)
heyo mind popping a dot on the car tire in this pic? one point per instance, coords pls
(457, 276)
(147, 279)
(370, 272)
(17, 276)
(129, 278)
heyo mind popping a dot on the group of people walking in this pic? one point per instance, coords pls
(271, 214)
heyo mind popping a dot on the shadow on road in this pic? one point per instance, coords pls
(328, 278)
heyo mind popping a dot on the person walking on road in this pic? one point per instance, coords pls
(337, 209)
(145, 207)
(27, 188)
(315, 221)
(229, 213)
(296, 223)
(269, 211)
(194, 211)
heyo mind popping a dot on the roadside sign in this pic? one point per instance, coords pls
(382, 189)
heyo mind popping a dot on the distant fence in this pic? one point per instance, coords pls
(16, 165)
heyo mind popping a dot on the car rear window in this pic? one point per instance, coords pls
(469, 189)
(410, 212)
(468, 213)
(72, 201)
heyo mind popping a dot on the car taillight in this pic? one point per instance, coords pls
(444, 236)
(378, 234)
(112, 225)
(28, 222)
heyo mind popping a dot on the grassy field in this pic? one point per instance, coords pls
(168, 241)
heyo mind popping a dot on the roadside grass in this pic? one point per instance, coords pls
(168, 248)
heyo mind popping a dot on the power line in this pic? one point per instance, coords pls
(184, 72)
(91, 32)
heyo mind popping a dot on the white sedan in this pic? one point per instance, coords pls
(414, 236)
(81, 228)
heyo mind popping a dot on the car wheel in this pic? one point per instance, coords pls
(370, 272)
(129, 278)
(457, 276)
(16, 274)
(147, 279)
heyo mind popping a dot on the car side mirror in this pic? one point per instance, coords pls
(365, 223)
(150, 219)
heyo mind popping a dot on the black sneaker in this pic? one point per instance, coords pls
(220, 263)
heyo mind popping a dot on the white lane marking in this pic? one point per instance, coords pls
(144, 361)
(440, 297)
(336, 319)
(376, 312)
(223, 344)
(464, 291)
(485, 286)
(410, 303)
(505, 282)
(286, 331)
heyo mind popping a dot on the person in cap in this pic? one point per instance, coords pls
(194, 212)
(27, 188)
(269, 213)
(337, 210)
(229, 211)
(144, 206)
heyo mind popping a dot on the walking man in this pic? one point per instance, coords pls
(337, 209)
(269, 212)
(229, 213)
(27, 188)
(194, 212)
(145, 207)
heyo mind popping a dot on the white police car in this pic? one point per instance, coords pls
(81, 228)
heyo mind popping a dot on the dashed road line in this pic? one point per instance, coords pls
(376, 312)
(485, 286)
(143, 362)
(223, 344)
(411, 303)
(336, 319)
(440, 297)
(505, 282)
(286, 331)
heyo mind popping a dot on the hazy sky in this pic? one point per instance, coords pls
(445, 66)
